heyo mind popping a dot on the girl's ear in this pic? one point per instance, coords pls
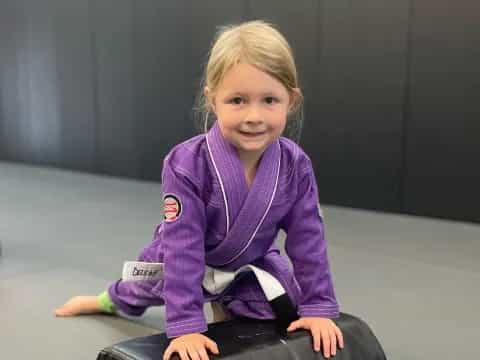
(209, 97)
(295, 94)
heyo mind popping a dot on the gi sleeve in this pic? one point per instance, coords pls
(183, 233)
(134, 297)
(179, 241)
(306, 246)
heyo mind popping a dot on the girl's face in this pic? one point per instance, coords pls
(251, 107)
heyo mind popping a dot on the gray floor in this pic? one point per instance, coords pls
(415, 281)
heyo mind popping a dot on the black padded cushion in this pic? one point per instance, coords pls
(243, 338)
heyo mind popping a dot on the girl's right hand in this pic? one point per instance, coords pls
(80, 305)
(191, 346)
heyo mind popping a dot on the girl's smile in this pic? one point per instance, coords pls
(252, 134)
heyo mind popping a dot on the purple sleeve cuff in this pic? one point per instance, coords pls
(122, 306)
(179, 328)
(319, 310)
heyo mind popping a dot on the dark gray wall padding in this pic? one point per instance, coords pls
(391, 89)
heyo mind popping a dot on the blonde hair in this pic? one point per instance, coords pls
(259, 44)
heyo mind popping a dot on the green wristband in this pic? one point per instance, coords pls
(106, 303)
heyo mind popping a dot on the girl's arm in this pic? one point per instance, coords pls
(307, 249)
(183, 241)
(179, 244)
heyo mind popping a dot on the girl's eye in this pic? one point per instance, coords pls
(270, 100)
(236, 100)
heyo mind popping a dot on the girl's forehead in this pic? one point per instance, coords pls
(246, 78)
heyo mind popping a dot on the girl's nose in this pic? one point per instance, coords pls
(254, 121)
(254, 116)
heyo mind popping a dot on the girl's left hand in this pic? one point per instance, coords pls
(322, 329)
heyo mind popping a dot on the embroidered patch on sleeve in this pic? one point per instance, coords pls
(172, 208)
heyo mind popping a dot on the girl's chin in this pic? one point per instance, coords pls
(253, 148)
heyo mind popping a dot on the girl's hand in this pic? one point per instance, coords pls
(321, 328)
(191, 346)
(79, 305)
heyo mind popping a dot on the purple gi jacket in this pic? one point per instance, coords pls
(212, 218)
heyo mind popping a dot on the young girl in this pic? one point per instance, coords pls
(226, 194)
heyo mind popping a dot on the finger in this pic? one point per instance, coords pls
(192, 352)
(183, 354)
(333, 342)
(171, 349)
(295, 325)
(326, 344)
(167, 353)
(316, 339)
(339, 334)
(202, 353)
(212, 346)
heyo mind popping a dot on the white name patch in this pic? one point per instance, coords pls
(138, 270)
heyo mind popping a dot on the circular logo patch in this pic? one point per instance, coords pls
(172, 208)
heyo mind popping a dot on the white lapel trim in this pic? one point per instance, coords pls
(221, 186)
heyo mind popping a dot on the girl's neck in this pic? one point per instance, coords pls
(250, 164)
